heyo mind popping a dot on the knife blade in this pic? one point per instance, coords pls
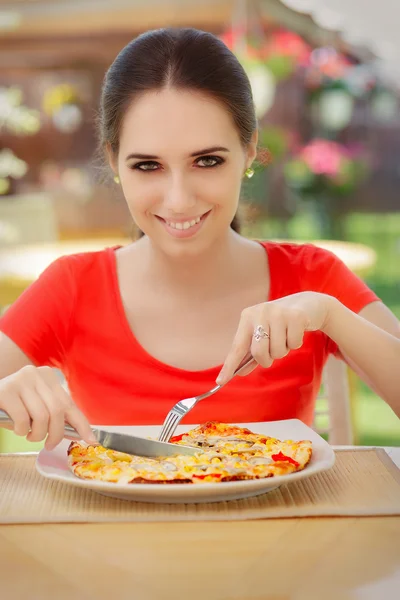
(123, 442)
(139, 446)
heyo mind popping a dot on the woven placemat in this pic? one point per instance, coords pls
(361, 483)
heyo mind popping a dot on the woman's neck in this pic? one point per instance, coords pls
(214, 269)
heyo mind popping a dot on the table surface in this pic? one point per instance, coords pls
(273, 559)
(27, 262)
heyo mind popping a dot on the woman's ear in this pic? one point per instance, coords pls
(252, 149)
(112, 160)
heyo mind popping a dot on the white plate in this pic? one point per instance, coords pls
(54, 465)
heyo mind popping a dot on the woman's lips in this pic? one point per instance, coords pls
(183, 229)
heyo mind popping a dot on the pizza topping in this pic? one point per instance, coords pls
(216, 475)
(177, 438)
(260, 460)
(282, 457)
(169, 466)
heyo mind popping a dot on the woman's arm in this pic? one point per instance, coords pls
(372, 351)
(370, 344)
(35, 329)
(12, 359)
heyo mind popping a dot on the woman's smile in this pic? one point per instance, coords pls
(183, 228)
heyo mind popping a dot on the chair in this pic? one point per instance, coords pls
(332, 415)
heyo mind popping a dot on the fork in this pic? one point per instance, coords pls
(182, 407)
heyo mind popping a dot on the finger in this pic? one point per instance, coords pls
(38, 413)
(19, 415)
(78, 420)
(248, 369)
(246, 366)
(72, 414)
(260, 346)
(240, 348)
(294, 334)
(278, 338)
(56, 407)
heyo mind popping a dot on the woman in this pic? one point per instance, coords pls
(135, 329)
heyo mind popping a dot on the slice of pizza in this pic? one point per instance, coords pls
(206, 434)
(234, 440)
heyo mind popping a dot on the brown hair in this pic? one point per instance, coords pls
(180, 58)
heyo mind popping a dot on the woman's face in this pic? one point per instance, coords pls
(180, 164)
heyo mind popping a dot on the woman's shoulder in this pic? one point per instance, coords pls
(303, 256)
(296, 267)
(82, 264)
(73, 275)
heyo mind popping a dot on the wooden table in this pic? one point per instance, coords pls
(296, 559)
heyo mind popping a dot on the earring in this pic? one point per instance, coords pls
(249, 173)
(117, 180)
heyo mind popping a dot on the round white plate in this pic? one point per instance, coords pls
(54, 465)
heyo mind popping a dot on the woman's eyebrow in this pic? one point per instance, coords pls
(141, 156)
(197, 153)
(210, 150)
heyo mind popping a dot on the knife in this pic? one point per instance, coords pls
(122, 442)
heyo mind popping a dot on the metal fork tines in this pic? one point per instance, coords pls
(182, 407)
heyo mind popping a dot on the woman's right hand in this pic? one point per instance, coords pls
(39, 406)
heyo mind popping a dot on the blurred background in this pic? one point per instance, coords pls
(325, 78)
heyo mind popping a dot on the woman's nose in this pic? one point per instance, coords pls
(179, 198)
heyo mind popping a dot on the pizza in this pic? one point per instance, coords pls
(226, 453)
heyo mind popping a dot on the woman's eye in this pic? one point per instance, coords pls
(146, 166)
(209, 161)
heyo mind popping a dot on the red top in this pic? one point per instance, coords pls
(73, 318)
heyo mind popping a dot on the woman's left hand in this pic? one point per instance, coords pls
(269, 331)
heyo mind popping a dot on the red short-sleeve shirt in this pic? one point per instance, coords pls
(72, 318)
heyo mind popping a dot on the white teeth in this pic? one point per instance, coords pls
(185, 225)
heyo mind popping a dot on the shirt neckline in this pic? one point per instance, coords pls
(135, 344)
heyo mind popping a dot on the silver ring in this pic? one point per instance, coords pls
(260, 333)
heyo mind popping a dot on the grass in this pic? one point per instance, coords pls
(375, 423)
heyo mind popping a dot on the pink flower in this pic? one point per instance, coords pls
(323, 157)
(287, 43)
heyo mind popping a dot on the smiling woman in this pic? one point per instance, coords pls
(136, 328)
(194, 129)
